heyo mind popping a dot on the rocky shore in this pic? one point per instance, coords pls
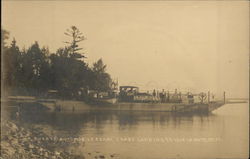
(19, 142)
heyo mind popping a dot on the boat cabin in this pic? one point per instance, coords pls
(127, 93)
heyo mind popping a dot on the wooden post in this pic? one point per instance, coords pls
(180, 96)
(208, 96)
(224, 97)
(168, 96)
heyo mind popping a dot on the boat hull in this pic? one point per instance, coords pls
(150, 107)
(75, 106)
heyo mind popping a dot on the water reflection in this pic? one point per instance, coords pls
(75, 121)
(228, 123)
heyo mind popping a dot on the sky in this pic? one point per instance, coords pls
(189, 45)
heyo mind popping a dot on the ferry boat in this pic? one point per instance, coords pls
(130, 99)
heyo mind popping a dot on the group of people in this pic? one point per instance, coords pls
(162, 96)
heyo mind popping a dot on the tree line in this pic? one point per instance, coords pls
(35, 70)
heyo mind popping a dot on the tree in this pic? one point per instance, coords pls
(77, 37)
(101, 80)
(3, 57)
(69, 74)
(11, 65)
(36, 69)
(4, 37)
(99, 66)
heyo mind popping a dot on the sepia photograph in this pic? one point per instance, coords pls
(138, 79)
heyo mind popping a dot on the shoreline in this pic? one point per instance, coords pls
(18, 141)
(25, 141)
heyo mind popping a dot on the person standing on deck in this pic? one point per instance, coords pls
(154, 94)
(163, 96)
(168, 98)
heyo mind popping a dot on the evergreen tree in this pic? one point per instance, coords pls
(77, 37)
(69, 73)
(35, 70)
(4, 58)
(12, 57)
(4, 37)
(101, 80)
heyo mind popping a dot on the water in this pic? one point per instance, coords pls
(222, 134)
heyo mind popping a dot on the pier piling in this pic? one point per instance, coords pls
(224, 97)
(208, 96)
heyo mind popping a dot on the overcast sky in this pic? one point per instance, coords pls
(196, 46)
